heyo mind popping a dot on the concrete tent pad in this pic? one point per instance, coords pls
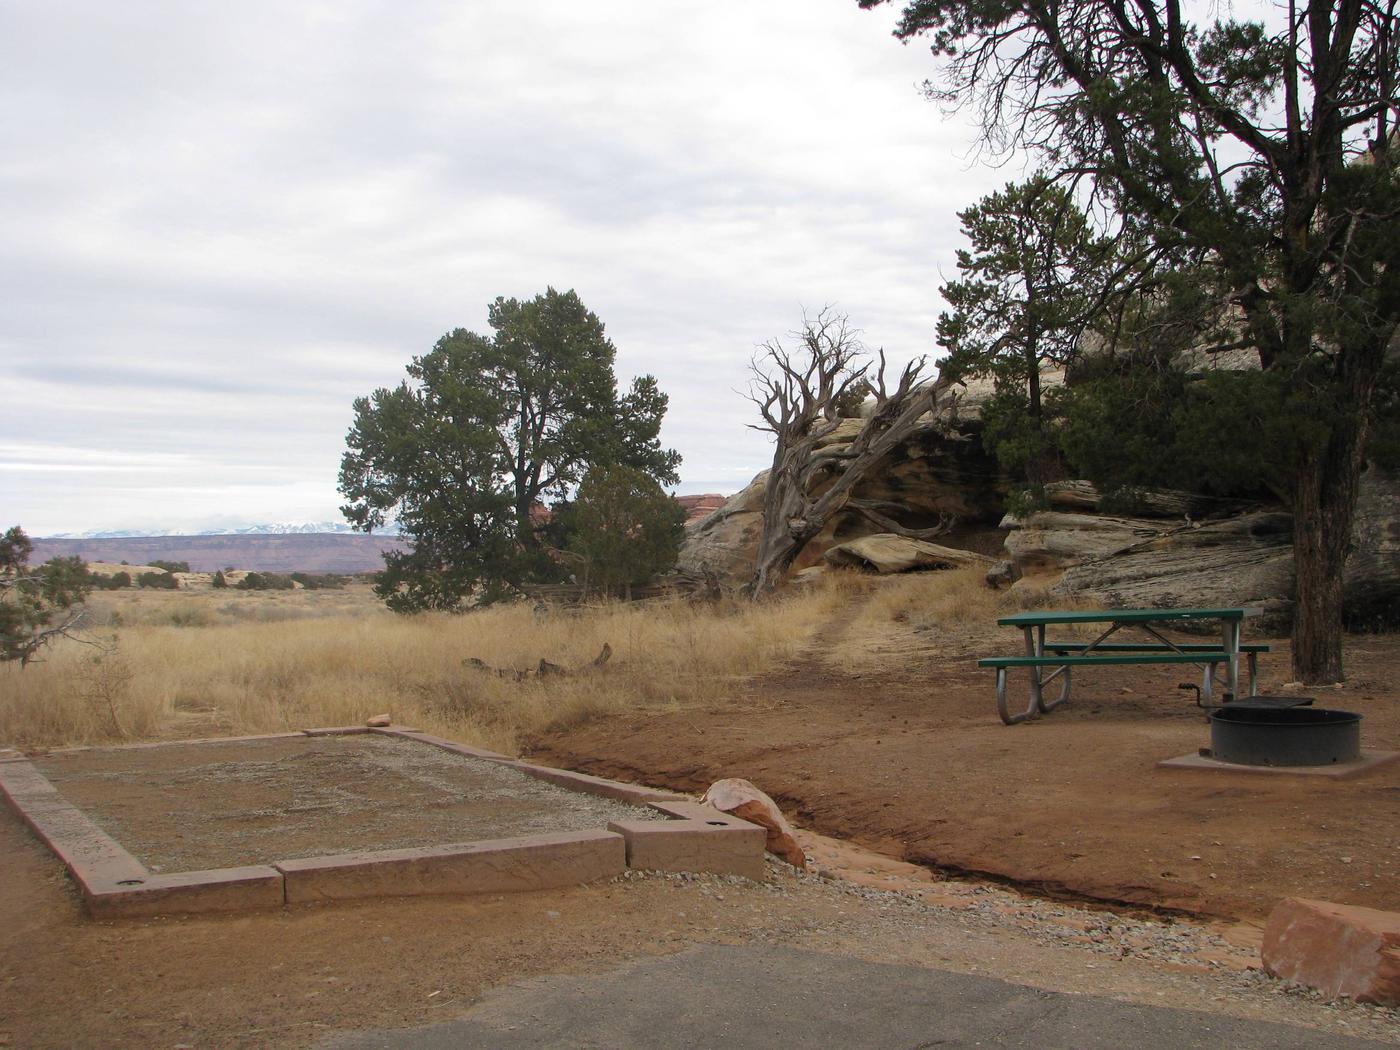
(257, 822)
(758, 998)
(214, 805)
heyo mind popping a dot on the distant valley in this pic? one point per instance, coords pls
(347, 552)
(313, 547)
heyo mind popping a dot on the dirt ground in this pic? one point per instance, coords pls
(288, 977)
(882, 740)
(892, 741)
(189, 807)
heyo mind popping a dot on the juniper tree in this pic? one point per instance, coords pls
(463, 453)
(1265, 146)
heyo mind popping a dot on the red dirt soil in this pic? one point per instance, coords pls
(914, 763)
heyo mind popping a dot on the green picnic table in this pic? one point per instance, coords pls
(1064, 655)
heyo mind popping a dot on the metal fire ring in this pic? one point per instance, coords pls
(1289, 736)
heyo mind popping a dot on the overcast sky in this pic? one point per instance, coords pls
(220, 223)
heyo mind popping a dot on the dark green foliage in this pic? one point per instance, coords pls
(1224, 433)
(465, 452)
(1022, 444)
(158, 581)
(170, 566)
(1034, 278)
(849, 403)
(36, 605)
(265, 581)
(623, 528)
(1116, 427)
(115, 582)
(219, 582)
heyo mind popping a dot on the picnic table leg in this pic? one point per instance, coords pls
(1035, 646)
(1002, 710)
(1045, 708)
(1231, 631)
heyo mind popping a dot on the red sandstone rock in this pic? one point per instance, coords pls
(379, 721)
(698, 507)
(1337, 948)
(746, 802)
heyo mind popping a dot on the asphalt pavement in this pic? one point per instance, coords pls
(758, 998)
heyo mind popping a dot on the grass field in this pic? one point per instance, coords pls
(177, 664)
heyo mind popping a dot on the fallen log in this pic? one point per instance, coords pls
(544, 669)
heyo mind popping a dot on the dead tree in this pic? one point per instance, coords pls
(797, 392)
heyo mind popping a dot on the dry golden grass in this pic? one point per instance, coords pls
(956, 596)
(207, 607)
(216, 663)
(949, 613)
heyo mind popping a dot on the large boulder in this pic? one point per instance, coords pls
(741, 798)
(887, 552)
(1339, 949)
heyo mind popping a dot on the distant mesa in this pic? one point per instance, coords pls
(697, 507)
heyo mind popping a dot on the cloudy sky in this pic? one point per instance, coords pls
(220, 223)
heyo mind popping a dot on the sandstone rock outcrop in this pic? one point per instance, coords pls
(740, 797)
(725, 542)
(939, 472)
(1149, 503)
(887, 552)
(1245, 558)
(1373, 569)
(1241, 561)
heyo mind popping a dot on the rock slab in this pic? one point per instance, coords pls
(1337, 948)
(888, 552)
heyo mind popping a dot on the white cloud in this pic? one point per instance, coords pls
(222, 223)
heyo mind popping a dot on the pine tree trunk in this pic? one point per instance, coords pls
(1321, 529)
(1324, 507)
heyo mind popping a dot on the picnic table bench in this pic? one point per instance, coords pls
(1065, 655)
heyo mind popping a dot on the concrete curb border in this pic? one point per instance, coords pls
(114, 884)
(1370, 759)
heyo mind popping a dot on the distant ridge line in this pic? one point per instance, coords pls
(340, 552)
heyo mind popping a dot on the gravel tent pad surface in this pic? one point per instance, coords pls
(184, 807)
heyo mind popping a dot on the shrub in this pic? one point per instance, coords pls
(319, 582)
(170, 566)
(624, 529)
(159, 581)
(265, 581)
